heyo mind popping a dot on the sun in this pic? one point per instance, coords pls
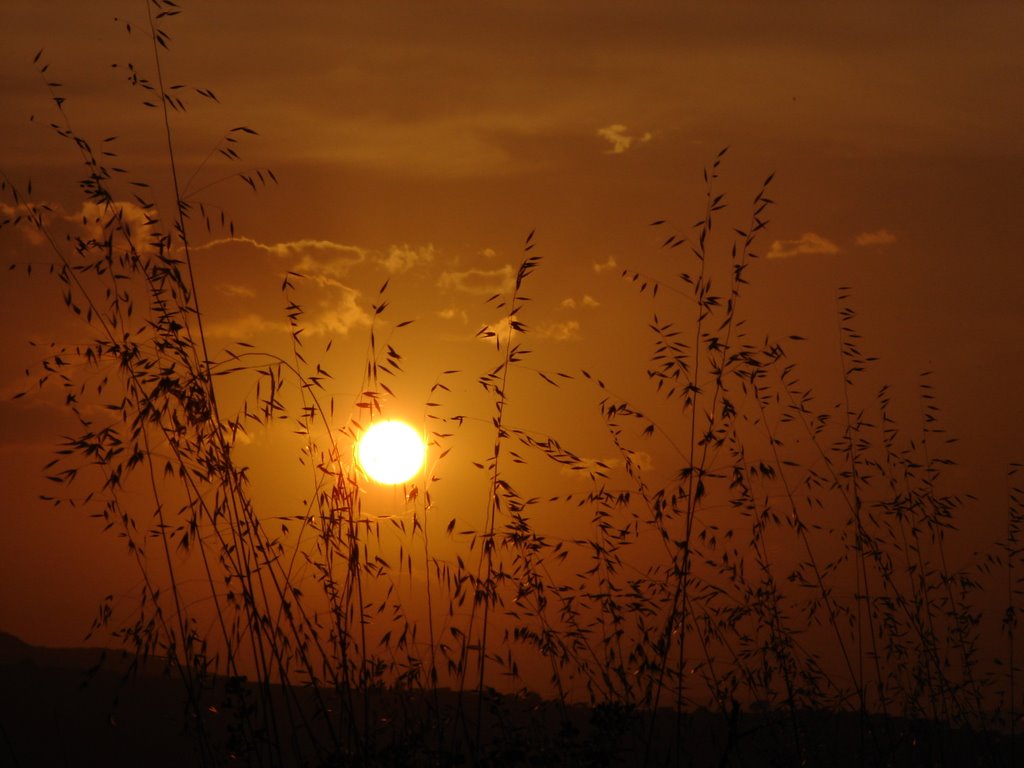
(390, 452)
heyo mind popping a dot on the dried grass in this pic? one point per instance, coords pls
(300, 626)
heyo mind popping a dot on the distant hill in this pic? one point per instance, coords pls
(15, 651)
(57, 708)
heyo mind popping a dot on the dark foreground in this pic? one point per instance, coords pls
(53, 712)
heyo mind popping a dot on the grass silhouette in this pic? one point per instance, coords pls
(785, 597)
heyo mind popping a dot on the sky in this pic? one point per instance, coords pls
(421, 144)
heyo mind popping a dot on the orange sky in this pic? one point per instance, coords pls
(421, 143)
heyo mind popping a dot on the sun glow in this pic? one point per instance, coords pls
(390, 452)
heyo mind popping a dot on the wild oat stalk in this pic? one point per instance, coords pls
(669, 594)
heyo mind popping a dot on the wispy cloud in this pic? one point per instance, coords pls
(483, 282)
(619, 139)
(233, 289)
(500, 332)
(402, 258)
(642, 460)
(878, 237)
(333, 307)
(326, 260)
(587, 301)
(808, 244)
(136, 224)
(321, 260)
(19, 216)
(451, 313)
(131, 226)
(607, 264)
(338, 315)
(244, 327)
(503, 330)
(584, 468)
(568, 330)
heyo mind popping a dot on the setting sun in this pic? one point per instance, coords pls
(552, 383)
(390, 452)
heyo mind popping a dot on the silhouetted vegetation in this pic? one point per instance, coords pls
(784, 597)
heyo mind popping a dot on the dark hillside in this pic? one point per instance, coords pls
(58, 709)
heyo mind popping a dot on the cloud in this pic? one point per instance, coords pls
(500, 332)
(128, 225)
(620, 140)
(444, 144)
(484, 282)
(451, 313)
(136, 223)
(878, 237)
(21, 216)
(232, 289)
(325, 261)
(608, 263)
(242, 328)
(402, 258)
(642, 461)
(333, 307)
(808, 244)
(321, 260)
(585, 468)
(566, 331)
(338, 315)
(10, 211)
(587, 301)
